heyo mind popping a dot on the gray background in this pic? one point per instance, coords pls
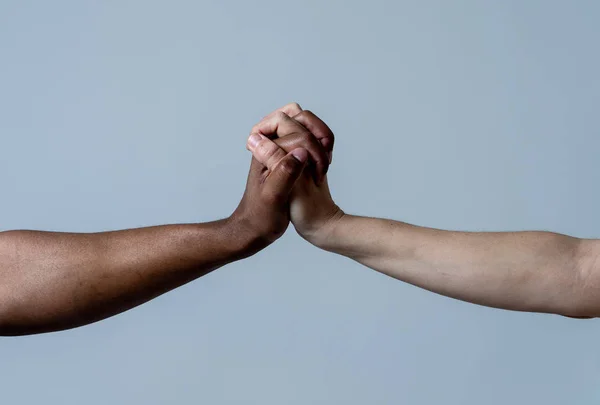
(471, 115)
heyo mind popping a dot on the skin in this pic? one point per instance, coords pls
(522, 271)
(54, 281)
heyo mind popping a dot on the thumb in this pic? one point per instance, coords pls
(283, 176)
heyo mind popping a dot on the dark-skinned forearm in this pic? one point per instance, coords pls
(52, 281)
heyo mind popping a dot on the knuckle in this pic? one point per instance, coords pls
(280, 115)
(260, 148)
(267, 153)
(264, 148)
(301, 114)
(294, 105)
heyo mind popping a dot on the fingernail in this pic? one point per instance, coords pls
(301, 155)
(253, 140)
(330, 154)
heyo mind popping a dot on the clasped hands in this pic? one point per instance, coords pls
(292, 150)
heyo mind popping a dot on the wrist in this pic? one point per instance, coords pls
(242, 235)
(323, 236)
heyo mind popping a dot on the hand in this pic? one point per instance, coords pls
(263, 214)
(279, 124)
(313, 211)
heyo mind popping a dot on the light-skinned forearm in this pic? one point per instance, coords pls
(53, 281)
(524, 271)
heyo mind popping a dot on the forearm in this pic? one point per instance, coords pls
(53, 281)
(526, 271)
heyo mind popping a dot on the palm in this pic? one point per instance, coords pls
(311, 206)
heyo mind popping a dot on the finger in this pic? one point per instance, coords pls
(314, 124)
(318, 128)
(269, 152)
(281, 180)
(279, 125)
(265, 150)
(311, 144)
(290, 110)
